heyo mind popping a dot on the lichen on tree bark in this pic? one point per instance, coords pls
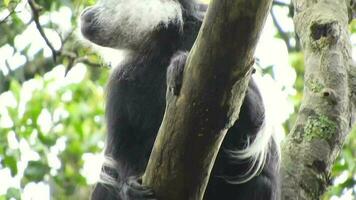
(326, 113)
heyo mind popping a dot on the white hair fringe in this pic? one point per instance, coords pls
(254, 153)
(105, 176)
(136, 17)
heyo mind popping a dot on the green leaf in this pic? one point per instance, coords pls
(36, 170)
(48, 140)
(12, 4)
(15, 87)
(269, 70)
(11, 163)
(13, 193)
(6, 2)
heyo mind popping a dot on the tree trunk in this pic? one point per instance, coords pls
(325, 116)
(215, 80)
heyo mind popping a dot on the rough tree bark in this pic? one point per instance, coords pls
(326, 113)
(215, 81)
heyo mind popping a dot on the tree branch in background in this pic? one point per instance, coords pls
(42, 65)
(279, 3)
(215, 80)
(72, 56)
(11, 7)
(327, 111)
(284, 35)
(3, 20)
(352, 9)
(36, 9)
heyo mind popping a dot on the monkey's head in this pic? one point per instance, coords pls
(125, 24)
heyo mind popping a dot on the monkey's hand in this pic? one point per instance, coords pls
(175, 72)
(132, 189)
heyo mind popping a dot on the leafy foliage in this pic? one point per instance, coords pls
(59, 118)
(344, 169)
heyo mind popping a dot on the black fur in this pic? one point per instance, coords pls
(135, 107)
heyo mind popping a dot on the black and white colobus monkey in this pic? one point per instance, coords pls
(157, 34)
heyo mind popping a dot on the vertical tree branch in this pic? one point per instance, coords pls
(215, 80)
(325, 116)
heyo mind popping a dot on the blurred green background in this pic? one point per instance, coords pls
(52, 125)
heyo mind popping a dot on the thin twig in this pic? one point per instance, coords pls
(35, 15)
(278, 3)
(66, 38)
(86, 61)
(12, 11)
(283, 34)
(7, 17)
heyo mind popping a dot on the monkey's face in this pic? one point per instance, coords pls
(98, 26)
(126, 24)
